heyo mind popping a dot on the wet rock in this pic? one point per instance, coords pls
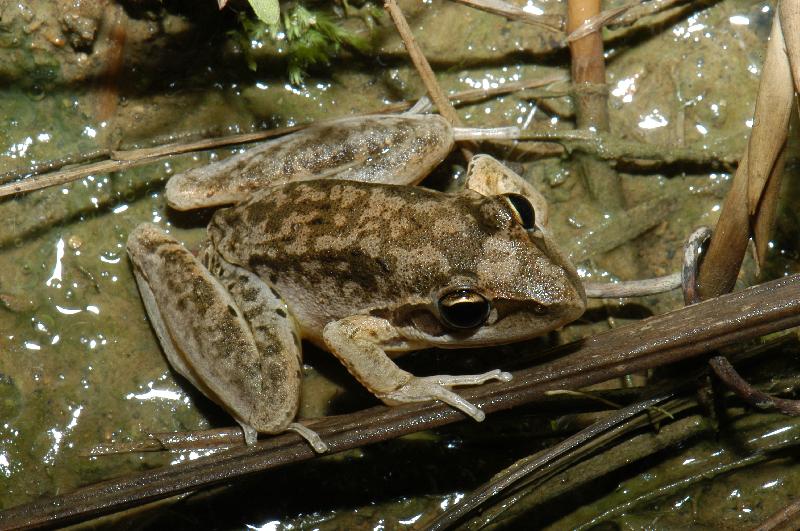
(80, 30)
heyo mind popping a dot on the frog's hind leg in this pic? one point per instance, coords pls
(487, 176)
(213, 334)
(275, 334)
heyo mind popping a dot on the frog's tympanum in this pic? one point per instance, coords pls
(363, 269)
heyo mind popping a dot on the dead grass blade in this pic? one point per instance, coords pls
(771, 120)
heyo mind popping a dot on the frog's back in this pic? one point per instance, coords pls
(352, 246)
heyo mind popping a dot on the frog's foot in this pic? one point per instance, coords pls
(250, 434)
(309, 435)
(313, 438)
(436, 388)
(358, 340)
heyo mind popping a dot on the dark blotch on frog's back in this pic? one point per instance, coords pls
(374, 238)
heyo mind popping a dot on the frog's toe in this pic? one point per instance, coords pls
(434, 388)
(250, 434)
(309, 435)
(473, 379)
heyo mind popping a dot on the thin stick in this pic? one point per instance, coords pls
(591, 103)
(595, 23)
(639, 10)
(786, 518)
(435, 92)
(125, 159)
(758, 399)
(512, 12)
(650, 343)
(632, 288)
(604, 146)
(618, 17)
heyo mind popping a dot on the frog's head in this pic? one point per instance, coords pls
(520, 285)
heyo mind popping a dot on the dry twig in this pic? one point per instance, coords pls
(512, 12)
(424, 69)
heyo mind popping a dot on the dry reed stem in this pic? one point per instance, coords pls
(771, 119)
(588, 68)
(789, 11)
(720, 267)
(588, 63)
(756, 184)
(764, 221)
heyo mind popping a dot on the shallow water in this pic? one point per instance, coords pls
(79, 364)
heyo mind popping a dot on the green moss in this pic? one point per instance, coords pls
(306, 37)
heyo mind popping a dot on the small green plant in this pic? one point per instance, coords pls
(306, 38)
(267, 11)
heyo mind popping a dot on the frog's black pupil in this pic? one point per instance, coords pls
(524, 210)
(463, 309)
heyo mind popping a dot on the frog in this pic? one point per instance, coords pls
(365, 266)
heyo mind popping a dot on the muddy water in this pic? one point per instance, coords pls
(79, 364)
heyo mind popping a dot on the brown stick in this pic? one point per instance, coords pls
(759, 399)
(588, 66)
(786, 518)
(650, 343)
(437, 95)
(591, 101)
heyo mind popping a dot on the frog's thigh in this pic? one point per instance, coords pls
(357, 341)
(487, 176)
(253, 373)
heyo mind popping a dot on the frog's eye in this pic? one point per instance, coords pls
(463, 309)
(522, 210)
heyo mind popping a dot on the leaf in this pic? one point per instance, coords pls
(267, 11)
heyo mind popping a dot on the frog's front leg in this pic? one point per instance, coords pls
(359, 343)
(227, 333)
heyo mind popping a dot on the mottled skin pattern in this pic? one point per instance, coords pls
(390, 251)
(385, 149)
(243, 361)
(363, 269)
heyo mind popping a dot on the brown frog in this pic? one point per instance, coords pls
(362, 269)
